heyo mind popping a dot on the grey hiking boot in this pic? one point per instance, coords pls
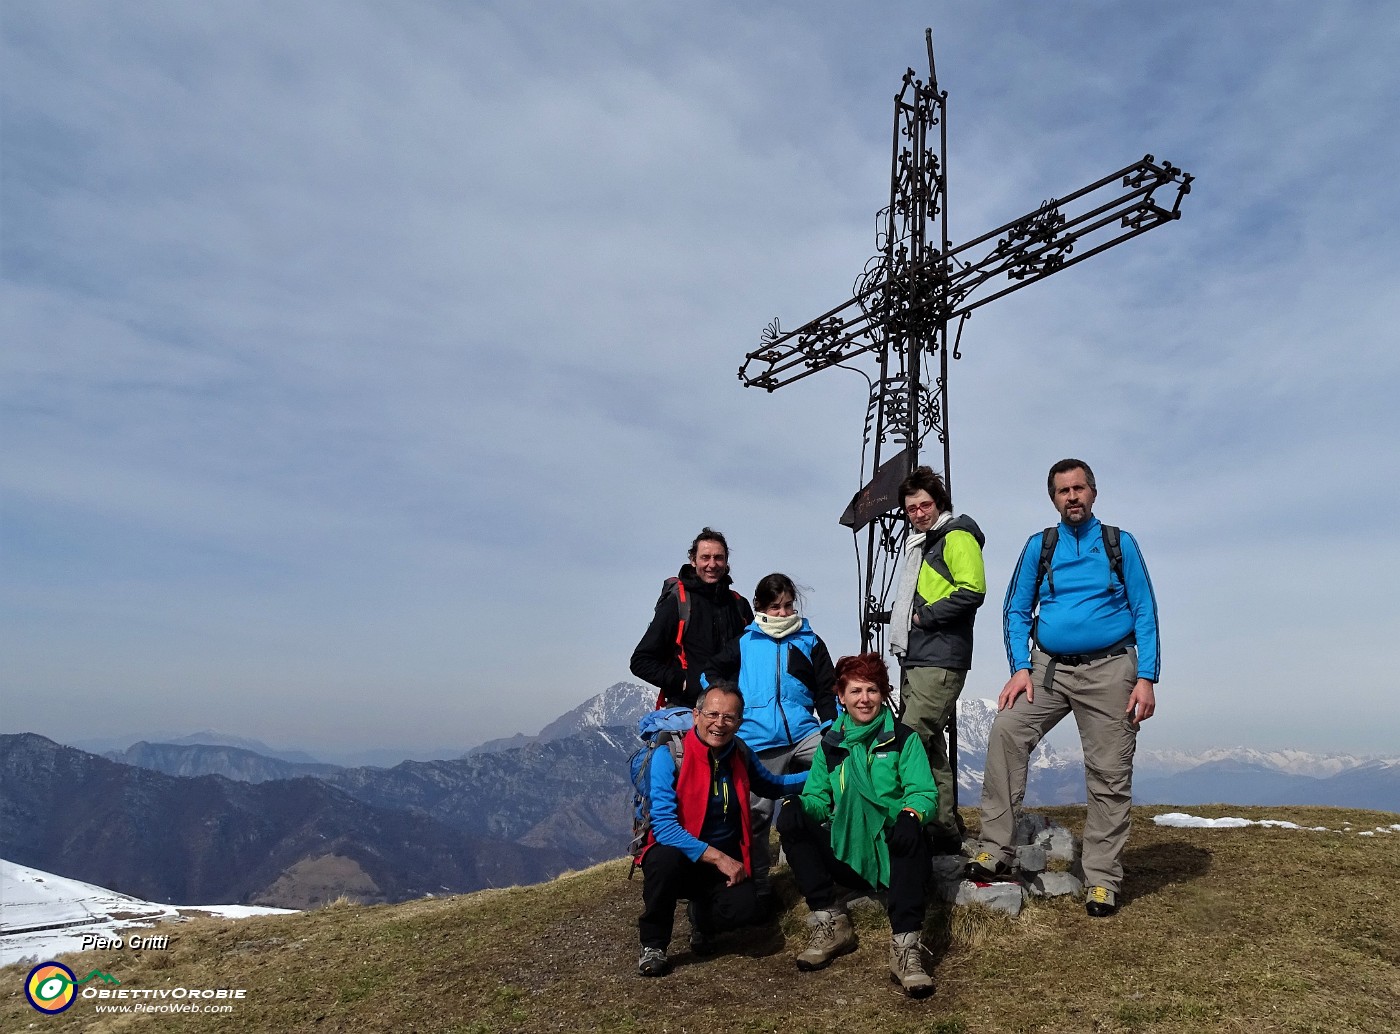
(832, 935)
(985, 867)
(907, 965)
(1100, 902)
(653, 963)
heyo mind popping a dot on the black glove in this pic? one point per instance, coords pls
(903, 837)
(791, 824)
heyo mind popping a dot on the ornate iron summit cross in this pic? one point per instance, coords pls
(919, 284)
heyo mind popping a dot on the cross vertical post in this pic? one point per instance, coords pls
(914, 290)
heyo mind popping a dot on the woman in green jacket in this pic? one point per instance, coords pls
(861, 823)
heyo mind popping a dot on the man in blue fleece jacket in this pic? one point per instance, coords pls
(1081, 638)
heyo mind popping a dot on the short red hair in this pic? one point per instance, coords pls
(868, 667)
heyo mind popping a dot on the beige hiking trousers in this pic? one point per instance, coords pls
(1097, 694)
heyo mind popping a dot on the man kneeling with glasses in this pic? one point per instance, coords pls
(699, 847)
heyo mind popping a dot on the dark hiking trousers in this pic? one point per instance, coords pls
(668, 876)
(817, 871)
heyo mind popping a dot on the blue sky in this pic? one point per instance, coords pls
(366, 368)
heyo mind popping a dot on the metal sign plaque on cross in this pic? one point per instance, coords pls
(917, 286)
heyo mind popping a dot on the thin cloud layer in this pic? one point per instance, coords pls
(366, 370)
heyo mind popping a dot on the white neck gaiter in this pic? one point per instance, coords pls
(777, 628)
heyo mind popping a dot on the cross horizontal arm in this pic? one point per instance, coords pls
(829, 339)
(953, 283)
(1055, 236)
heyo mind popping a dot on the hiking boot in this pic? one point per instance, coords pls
(907, 965)
(985, 868)
(653, 963)
(832, 935)
(702, 942)
(1100, 902)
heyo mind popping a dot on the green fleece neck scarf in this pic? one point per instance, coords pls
(858, 824)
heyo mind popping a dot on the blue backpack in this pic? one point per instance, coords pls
(666, 727)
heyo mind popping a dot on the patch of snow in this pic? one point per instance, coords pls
(1181, 819)
(43, 915)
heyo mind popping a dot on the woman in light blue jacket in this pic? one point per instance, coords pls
(784, 671)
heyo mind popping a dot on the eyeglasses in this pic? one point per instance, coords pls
(920, 508)
(721, 717)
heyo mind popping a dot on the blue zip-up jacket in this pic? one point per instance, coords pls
(1090, 609)
(783, 681)
(721, 815)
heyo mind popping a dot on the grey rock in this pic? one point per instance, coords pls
(1059, 843)
(860, 901)
(1030, 858)
(1054, 884)
(949, 866)
(1003, 897)
(1028, 827)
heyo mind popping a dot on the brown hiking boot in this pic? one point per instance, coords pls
(907, 965)
(832, 935)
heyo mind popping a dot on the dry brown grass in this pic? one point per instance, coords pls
(1223, 930)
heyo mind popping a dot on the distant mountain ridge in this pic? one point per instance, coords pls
(570, 794)
(219, 739)
(294, 843)
(618, 706)
(1056, 774)
(1293, 762)
(1235, 775)
(198, 759)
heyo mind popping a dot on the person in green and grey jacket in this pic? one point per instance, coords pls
(860, 822)
(940, 584)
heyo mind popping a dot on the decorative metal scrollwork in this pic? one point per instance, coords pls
(918, 283)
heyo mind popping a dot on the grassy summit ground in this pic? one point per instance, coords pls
(1254, 929)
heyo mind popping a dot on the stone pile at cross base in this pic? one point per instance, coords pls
(1038, 842)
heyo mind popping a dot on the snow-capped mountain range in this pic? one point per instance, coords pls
(1294, 762)
(1056, 776)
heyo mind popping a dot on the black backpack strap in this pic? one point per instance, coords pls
(902, 733)
(1112, 544)
(675, 587)
(832, 749)
(1049, 538)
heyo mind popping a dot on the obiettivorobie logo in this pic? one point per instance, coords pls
(52, 987)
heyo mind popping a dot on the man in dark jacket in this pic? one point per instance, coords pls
(671, 656)
(941, 583)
